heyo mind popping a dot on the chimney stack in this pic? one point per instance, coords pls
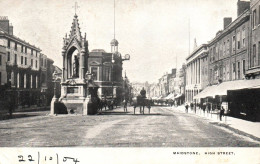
(242, 6)
(227, 21)
(11, 28)
(4, 23)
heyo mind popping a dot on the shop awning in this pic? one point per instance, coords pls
(222, 88)
(206, 92)
(170, 96)
(178, 96)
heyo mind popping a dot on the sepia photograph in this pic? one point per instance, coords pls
(150, 81)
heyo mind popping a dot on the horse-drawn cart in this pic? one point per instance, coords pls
(142, 102)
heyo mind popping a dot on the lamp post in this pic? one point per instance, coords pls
(126, 57)
(88, 77)
(112, 75)
(55, 97)
(55, 79)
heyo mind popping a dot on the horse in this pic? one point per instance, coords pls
(142, 102)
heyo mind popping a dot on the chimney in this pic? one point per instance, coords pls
(242, 6)
(4, 23)
(227, 21)
(11, 28)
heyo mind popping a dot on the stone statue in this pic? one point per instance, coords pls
(76, 67)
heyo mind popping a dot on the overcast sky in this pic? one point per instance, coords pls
(153, 32)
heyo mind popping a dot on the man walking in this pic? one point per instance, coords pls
(186, 107)
(221, 113)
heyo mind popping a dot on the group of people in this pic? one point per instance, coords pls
(205, 107)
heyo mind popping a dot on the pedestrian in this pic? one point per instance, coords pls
(208, 107)
(204, 107)
(186, 107)
(125, 105)
(191, 106)
(221, 113)
(11, 105)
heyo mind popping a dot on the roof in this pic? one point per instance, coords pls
(197, 50)
(4, 33)
(98, 50)
(240, 19)
(114, 42)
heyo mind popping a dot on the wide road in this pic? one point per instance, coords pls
(164, 127)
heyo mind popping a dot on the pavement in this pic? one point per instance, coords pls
(241, 126)
(23, 112)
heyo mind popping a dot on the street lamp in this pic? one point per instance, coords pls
(88, 77)
(55, 79)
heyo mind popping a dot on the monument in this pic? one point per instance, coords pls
(77, 88)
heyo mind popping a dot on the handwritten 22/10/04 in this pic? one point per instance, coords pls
(46, 159)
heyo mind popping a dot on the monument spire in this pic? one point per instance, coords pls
(75, 29)
(76, 7)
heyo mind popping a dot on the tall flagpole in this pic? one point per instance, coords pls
(114, 19)
(189, 35)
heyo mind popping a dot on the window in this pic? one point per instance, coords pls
(243, 37)
(94, 71)
(238, 40)
(22, 48)
(259, 14)
(224, 73)
(36, 63)
(31, 52)
(21, 59)
(0, 78)
(15, 59)
(214, 53)
(0, 59)
(224, 48)
(234, 43)
(254, 19)
(234, 71)
(32, 62)
(36, 54)
(107, 74)
(259, 52)
(8, 56)
(25, 60)
(244, 67)
(254, 56)
(227, 70)
(25, 49)
(9, 44)
(227, 51)
(25, 81)
(15, 46)
(238, 70)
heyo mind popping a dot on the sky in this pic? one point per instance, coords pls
(154, 32)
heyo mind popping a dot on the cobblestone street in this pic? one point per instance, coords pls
(163, 127)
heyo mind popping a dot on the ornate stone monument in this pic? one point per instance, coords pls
(75, 94)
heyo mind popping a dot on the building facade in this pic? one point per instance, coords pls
(228, 51)
(22, 71)
(196, 72)
(107, 72)
(254, 41)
